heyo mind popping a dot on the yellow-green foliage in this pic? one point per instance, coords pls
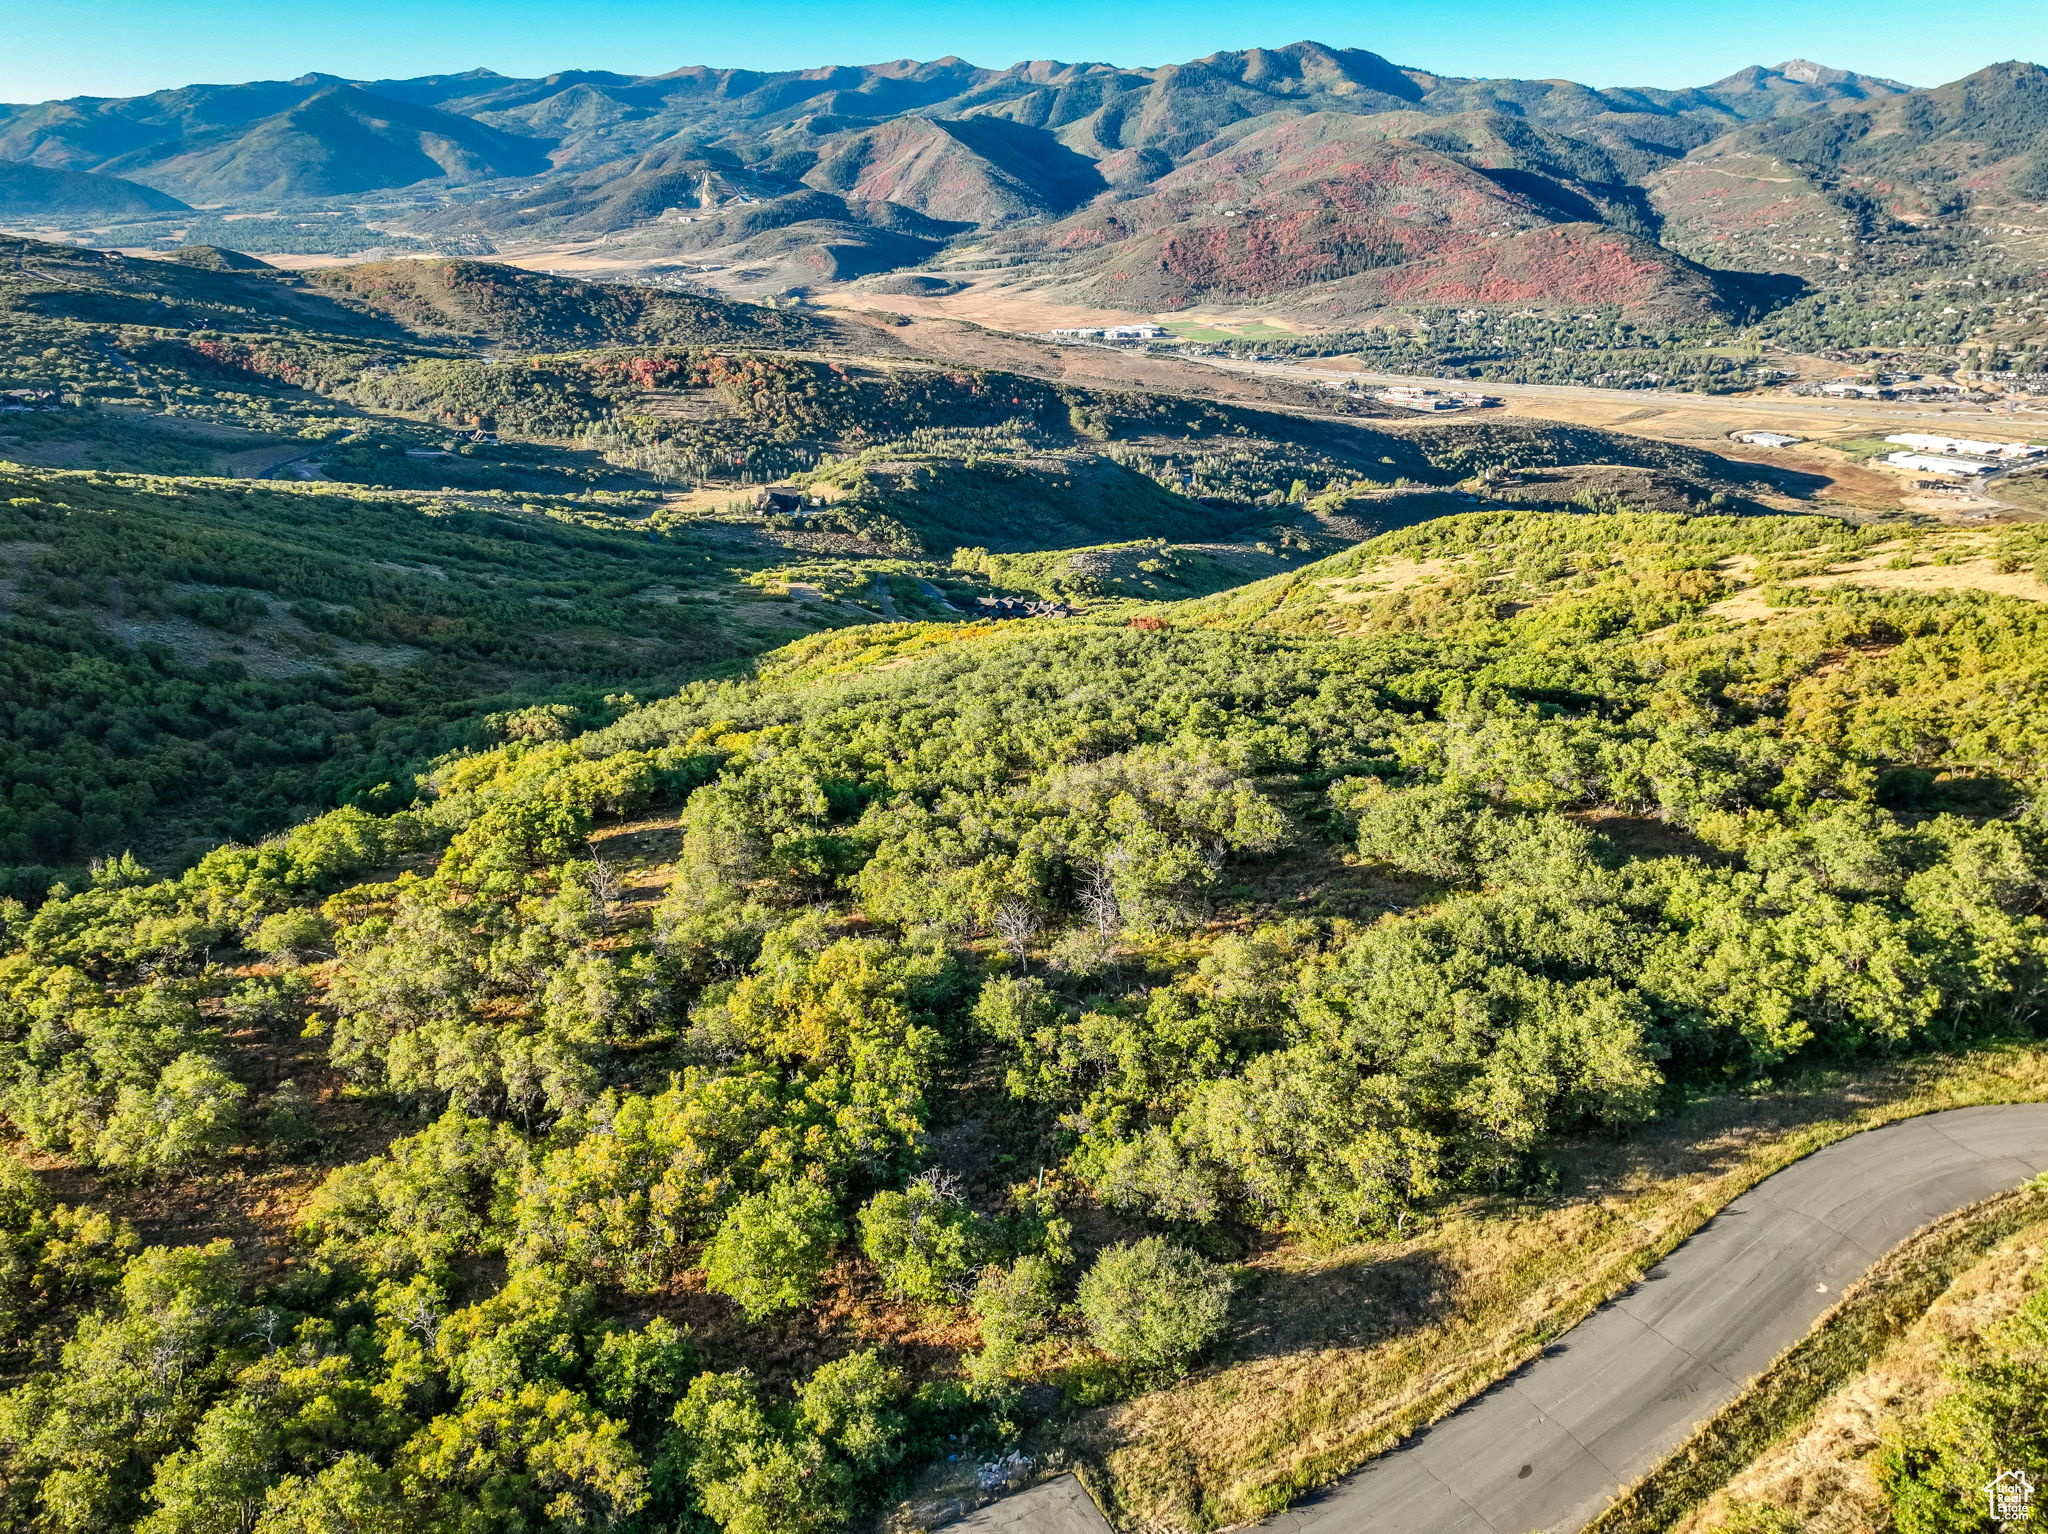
(920, 972)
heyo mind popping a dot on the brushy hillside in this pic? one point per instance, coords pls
(1978, 140)
(880, 1059)
(462, 376)
(190, 661)
(1342, 215)
(935, 502)
(533, 311)
(1149, 570)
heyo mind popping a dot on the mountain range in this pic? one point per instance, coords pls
(1327, 182)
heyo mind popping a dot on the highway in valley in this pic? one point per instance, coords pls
(1962, 419)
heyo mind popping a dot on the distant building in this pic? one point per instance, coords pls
(1145, 332)
(1020, 607)
(1417, 399)
(1413, 398)
(786, 503)
(1934, 463)
(1922, 442)
(1767, 438)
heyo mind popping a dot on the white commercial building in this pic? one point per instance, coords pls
(1935, 463)
(1145, 332)
(1929, 444)
(1766, 438)
(1418, 399)
(1432, 399)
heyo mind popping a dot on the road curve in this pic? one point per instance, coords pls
(1548, 1447)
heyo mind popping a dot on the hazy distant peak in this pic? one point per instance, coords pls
(1799, 81)
(1806, 72)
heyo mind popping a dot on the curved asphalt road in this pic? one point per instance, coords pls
(1550, 1446)
(1547, 1448)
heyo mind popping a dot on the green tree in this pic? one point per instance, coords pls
(54, 1260)
(190, 1115)
(130, 1386)
(926, 1241)
(772, 1248)
(1153, 1303)
(1015, 1306)
(351, 1496)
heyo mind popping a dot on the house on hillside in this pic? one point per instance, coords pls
(781, 501)
(1019, 607)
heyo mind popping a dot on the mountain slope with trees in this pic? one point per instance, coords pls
(40, 193)
(716, 1118)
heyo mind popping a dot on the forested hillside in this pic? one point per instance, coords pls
(199, 652)
(720, 1117)
(189, 662)
(629, 911)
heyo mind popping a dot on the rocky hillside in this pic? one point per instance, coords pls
(1338, 217)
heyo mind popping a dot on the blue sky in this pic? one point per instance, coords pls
(121, 47)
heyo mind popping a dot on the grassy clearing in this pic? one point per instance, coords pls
(1343, 1354)
(1977, 560)
(1863, 447)
(1873, 1316)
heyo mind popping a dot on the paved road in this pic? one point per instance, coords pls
(1547, 1448)
(1059, 1506)
(1974, 420)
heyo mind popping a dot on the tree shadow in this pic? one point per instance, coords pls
(1344, 1304)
